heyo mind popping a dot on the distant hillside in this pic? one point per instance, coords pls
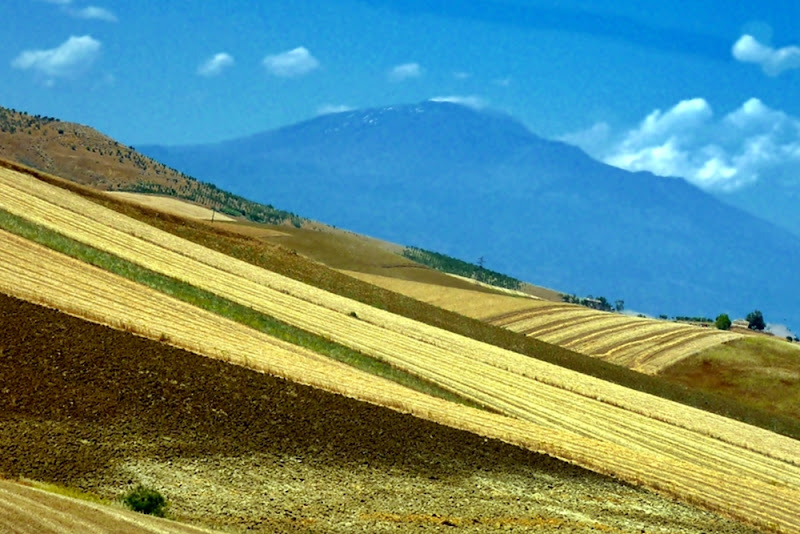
(448, 264)
(88, 157)
(472, 184)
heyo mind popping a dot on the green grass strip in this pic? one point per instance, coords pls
(220, 306)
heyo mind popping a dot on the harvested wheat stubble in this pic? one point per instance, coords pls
(567, 328)
(27, 510)
(697, 456)
(472, 303)
(639, 343)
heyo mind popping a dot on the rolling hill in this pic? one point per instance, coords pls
(86, 156)
(475, 184)
(640, 438)
(298, 460)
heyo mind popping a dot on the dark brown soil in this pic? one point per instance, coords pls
(87, 406)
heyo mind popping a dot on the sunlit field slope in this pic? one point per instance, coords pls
(641, 344)
(763, 370)
(747, 472)
(25, 509)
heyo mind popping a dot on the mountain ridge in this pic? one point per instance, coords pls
(472, 184)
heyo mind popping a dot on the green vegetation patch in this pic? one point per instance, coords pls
(146, 501)
(220, 306)
(763, 371)
(448, 264)
(65, 491)
(222, 201)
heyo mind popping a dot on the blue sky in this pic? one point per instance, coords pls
(705, 90)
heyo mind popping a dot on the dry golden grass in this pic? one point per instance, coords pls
(749, 473)
(762, 369)
(172, 205)
(469, 302)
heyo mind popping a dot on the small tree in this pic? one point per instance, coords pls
(723, 322)
(755, 321)
(146, 501)
(619, 305)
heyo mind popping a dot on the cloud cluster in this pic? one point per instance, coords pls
(214, 65)
(405, 71)
(773, 61)
(327, 109)
(471, 101)
(290, 64)
(751, 143)
(93, 12)
(88, 12)
(70, 58)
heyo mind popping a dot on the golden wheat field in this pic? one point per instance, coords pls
(746, 472)
(472, 303)
(26, 509)
(642, 344)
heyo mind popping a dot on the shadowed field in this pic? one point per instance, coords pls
(172, 205)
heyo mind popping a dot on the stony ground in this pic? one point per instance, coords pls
(102, 410)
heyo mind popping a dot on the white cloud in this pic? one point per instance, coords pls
(72, 57)
(88, 12)
(292, 63)
(214, 65)
(461, 75)
(471, 101)
(327, 109)
(750, 144)
(93, 12)
(405, 71)
(502, 82)
(773, 61)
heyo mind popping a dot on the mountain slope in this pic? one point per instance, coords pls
(473, 184)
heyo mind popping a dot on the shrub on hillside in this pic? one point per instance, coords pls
(723, 322)
(755, 321)
(146, 501)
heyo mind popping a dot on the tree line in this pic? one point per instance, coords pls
(598, 303)
(449, 264)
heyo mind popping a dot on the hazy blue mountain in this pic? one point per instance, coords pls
(476, 184)
(776, 202)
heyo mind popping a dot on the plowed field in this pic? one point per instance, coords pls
(749, 473)
(101, 409)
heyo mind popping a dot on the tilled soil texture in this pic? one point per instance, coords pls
(99, 409)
